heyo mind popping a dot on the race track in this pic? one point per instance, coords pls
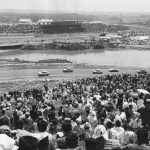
(31, 74)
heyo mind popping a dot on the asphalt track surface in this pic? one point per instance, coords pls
(55, 74)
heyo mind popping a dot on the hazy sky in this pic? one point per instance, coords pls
(78, 5)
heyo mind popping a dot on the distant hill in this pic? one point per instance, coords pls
(12, 16)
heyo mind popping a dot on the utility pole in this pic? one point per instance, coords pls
(121, 19)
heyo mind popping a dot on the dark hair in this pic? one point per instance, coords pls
(4, 121)
(126, 126)
(14, 113)
(42, 125)
(118, 123)
(51, 115)
(33, 107)
(3, 112)
(142, 136)
(28, 143)
(66, 127)
(72, 140)
(109, 124)
(90, 144)
(19, 124)
(141, 95)
(77, 114)
(74, 118)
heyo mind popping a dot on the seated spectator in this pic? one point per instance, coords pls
(78, 129)
(142, 137)
(20, 132)
(129, 137)
(42, 132)
(100, 135)
(4, 120)
(61, 142)
(117, 131)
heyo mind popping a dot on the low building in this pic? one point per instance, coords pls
(45, 21)
(25, 21)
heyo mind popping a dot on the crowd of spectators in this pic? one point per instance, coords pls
(20, 28)
(99, 27)
(62, 28)
(93, 113)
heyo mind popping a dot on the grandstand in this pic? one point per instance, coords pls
(49, 26)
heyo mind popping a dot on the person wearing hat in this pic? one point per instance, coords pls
(7, 143)
(78, 129)
(142, 138)
(61, 137)
(42, 126)
(100, 135)
(87, 130)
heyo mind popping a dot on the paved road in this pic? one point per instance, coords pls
(31, 74)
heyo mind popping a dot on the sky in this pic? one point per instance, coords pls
(78, 5)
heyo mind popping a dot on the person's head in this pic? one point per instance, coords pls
(100, 131)
(118, 123)
(87, 126)
(3, 112)
(130, 100)
(79, 121)
(141, 95)
(51, 115)
(66, 127)
(24, 111)
(5, 130)
(109, 125)
(28, 143)
(18, 108)
(72, 140)
(14, 113)
(74, 118)
(33, 107)
(42, 125)
(4, 121)
(19, 124)
(90, 144)
(126, 126)
(142, 136)
(77, 114)
(27, 115)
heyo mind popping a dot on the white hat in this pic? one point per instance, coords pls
(79, 120)
(100, 131)
(6, 143)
